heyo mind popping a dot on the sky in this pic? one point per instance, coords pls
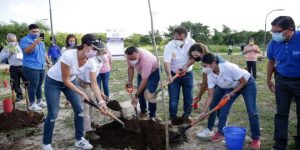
(90, 16)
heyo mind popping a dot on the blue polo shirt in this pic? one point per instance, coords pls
(286, 55)
(35, 59)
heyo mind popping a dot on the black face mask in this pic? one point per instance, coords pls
(197, 58)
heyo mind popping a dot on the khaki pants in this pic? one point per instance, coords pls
(87, 109)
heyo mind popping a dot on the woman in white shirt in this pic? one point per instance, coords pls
(61, 78)
(228, 80)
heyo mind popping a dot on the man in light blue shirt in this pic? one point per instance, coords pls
(34, 61)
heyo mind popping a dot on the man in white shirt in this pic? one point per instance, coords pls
(176, 57)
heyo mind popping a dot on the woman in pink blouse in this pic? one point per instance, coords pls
(105, 72)
(251, 51)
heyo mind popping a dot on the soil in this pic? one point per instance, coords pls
(114, 105)
(19, 119)
(137, 134)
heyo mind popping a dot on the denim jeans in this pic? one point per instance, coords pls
(54, 60)
(186, 83)
(104, 78)
(52, 93)
(36, 79)
(251, 67)
(249, 95)
(151, 86)
(285, 91)
(218, 95)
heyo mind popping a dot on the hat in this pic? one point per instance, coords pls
(91, 40)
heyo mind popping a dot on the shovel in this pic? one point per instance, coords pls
(222, 103)
(93, 104)
(149, 96)
(31, 113)
(129, 90)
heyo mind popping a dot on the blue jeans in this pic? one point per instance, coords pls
(104, 78)
(249, 94)
(36, 79)
(218, 95)
(186, 82)
(54, 60)
(52, 93)
(151, 86)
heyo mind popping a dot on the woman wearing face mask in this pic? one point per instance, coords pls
(61, 78)
(251, 51)
(196, 52)
(228, 80)
(105, 72)
(85, 85)
(71, 41)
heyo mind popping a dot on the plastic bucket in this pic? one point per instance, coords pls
(7, 105)
(234, 137)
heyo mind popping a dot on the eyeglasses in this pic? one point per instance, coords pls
(278, 31)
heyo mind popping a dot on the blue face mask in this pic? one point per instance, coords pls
(71, 44)
(33, 36)
(278, 37)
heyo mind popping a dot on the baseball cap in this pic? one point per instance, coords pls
(92, 40)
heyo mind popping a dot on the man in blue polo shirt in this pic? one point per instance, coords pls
(284, 53)
(34, 65)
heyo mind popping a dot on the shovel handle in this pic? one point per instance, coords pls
(93, 104)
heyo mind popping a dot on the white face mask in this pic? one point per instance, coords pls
(12, 43)
(179, 42)
(133, 62)
(207, 70)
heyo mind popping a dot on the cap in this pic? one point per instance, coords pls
(91, 39)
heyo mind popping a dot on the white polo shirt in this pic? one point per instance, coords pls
(69, 58)
(177, 56)
(228, 77)
(85, 76)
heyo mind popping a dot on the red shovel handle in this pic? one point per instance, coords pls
(222, 103)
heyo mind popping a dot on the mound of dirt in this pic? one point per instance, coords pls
(137, 134)
(19, 119)
(114, 105)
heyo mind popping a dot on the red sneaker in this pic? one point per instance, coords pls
(217, 137)
(255, 144)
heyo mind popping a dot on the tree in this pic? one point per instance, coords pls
(217, 38)
(199, 32)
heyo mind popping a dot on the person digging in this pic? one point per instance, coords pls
(146, 65)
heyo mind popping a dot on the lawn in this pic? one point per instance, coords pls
(238, 115)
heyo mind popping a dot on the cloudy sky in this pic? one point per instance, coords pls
(84, 16)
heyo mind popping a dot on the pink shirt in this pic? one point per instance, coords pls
(146, 65)
(107, 60)
(251, 52)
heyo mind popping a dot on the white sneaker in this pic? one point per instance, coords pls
(42, 104)
(205, 133)
(216, 121)
(83, 143)
(47, 147)
(35, 107)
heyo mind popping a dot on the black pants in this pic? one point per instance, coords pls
(286, 90)
(16, 73)
(251, 67)
(229, 51)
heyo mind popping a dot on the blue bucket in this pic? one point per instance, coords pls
(234, 137)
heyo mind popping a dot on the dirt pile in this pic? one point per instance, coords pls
(19, 119)
(137, 134)
(114, 105)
